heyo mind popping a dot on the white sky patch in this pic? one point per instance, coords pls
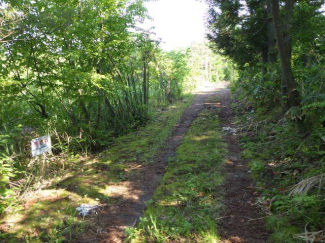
(179, 23)
(322, 9)
(243, 11)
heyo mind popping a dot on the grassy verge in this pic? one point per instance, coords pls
(49, 215)
(280, 158)
(186, 204)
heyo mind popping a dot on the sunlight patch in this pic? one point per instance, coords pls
(123, 190)
(201, 138)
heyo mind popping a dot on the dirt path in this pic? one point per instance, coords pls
(242, 221)
(141, 185)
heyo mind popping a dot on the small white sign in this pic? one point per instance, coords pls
(41, 145)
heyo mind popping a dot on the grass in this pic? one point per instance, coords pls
(49, 215)
(185, 206)
(288, 167)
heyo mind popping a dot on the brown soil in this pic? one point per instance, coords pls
(241, 221)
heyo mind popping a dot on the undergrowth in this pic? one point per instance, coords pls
(48, 213)
(186, 204)
(289, 167)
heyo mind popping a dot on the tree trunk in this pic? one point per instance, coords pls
(264, 62)
(144, 83)
(99, 113)
(148, 79)
(287, 26)
(288, 83)
(217, 76)
(271, 43)
(207, 76)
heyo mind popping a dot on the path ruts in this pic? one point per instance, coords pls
(241, 221)
(139, 188)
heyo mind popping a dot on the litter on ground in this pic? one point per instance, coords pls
(231, 130)
(86, 209)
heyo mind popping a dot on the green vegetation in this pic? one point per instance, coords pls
(78, 71)
(186, 205)
(208, 66)
(50, 215)
(82, 72)
(278, 49)
(284, 163)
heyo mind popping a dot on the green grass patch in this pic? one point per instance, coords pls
(280, 156)
(187, 203)
(50, 215)
(46, 216)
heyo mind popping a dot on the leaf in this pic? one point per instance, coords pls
(294, 113)
(269, 84)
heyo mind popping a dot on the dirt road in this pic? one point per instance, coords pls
(240, 222)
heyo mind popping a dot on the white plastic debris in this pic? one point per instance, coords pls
(230, 129)
(86, 209)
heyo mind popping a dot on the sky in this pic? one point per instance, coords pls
(177, 22)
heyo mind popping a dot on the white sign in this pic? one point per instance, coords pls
(41, 145)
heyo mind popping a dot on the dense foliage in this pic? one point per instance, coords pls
(278, 48)
(77, 67)
(84, 73)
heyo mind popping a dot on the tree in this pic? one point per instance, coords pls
(283, 38)
(247, 31)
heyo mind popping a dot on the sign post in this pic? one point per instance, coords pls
(40, 146)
